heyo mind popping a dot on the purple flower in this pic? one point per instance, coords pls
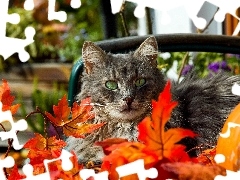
(218, 66)
(187, 68)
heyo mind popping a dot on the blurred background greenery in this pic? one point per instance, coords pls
(62, 42)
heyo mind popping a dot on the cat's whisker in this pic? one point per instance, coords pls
(93, 104)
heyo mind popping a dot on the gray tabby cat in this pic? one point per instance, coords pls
(122, 86)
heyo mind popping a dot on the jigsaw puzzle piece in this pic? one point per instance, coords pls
(65, 157)
(137, 167)
(53, 15)
(20, 125)
(87, 173)
(225, 7)
(28, 171)
(7, 49)
(66, 166)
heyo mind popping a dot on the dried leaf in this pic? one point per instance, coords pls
(194, 171)
(207, 157)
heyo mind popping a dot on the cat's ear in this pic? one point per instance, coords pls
(148, 49)
(92, 55)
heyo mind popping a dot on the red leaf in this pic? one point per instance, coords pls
(152, 132)
(57, 172)
(125, 153)
(61, 112)
(41, 148)
(7, 99)
(105, 144)
(194, 171)
(14, 174)
(207, 157)
(77, 125)
(156, 145)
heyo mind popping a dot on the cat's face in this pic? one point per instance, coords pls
(122, 85)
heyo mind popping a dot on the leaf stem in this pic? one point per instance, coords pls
(38, 111)
(183, 64)
(123, 20)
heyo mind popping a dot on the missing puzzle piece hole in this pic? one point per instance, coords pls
(28, 170)
(13, 18)
(29, 5)
(22, 125)
(29, 33)
(8, 162)
(75, 4)
(23, 56)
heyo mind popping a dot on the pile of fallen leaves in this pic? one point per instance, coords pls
(156, 146)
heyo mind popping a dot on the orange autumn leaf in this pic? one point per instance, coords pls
(156, 145)
(228, 141)
(77, 125)
(107, 143)
(7, 99)
(152, 129)
(61, 112)
(41, 143)
(125, 153)
(41, 148)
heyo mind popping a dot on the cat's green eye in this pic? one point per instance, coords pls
(112, 85)
(140, 82)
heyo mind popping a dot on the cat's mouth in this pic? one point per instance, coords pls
(128, 109)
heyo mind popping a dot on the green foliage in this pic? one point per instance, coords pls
(44, 101)
(85, 24)
(203, 59)
(167, 62)
(17, 31)
(200, 61)
(54, 40)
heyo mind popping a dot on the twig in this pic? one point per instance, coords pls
(149, 21)
(183, 64)
(10, 142)
(199, 31)
(38, 111)
(123, 19)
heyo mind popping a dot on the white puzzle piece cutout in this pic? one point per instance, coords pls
(66, 165)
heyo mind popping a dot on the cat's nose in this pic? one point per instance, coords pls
(129, 101)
